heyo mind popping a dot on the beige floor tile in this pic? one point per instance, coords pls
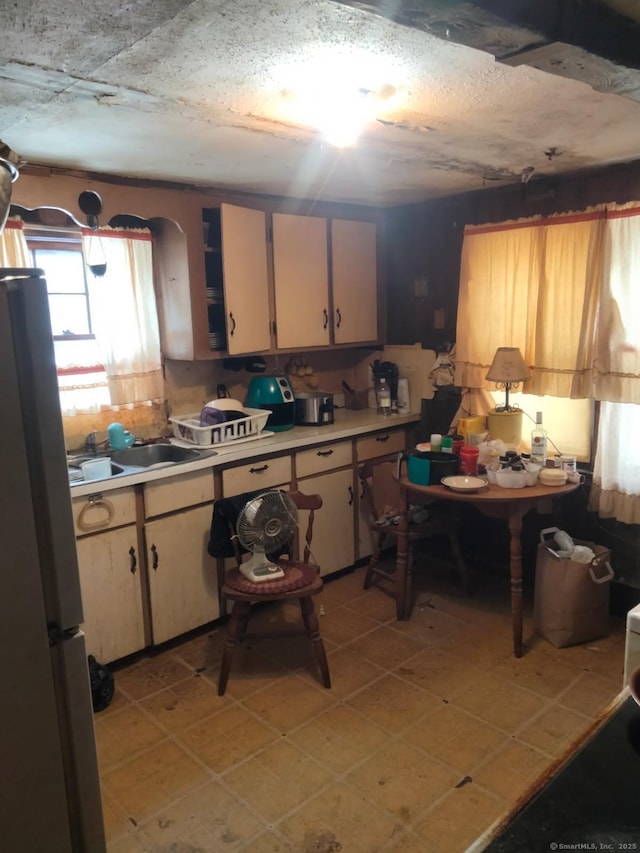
(209, 819)
(403, 780)
(340, 738)
(289, 702)
(277, 780)
(151, 674)
(267, 842)
(116, 820)
(589, 694)
(376, 603)
(392, 703)
(459, 818)
(456, 738)
(227, 737)
(203, 653)
(554, 730)
(184, 704)
(339, 819)
(136, 841)
(385, 647)
(153, 779)
(438, 671)
(409, 843)
(124, 733)
(481, 645)
(343, 625)
(499, 701)
(537, 672)
(429, 624)
(512, 770)
(349, 672)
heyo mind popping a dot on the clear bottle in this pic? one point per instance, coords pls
(538, 442)
(384, 398)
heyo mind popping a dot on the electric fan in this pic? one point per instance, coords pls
(265, 524)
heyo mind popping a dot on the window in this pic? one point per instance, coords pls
(81, 375)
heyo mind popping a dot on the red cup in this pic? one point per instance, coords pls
(469, 459)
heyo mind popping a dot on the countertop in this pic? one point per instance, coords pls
(348, 423)
(593, 801)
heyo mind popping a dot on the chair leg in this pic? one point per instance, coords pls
(375, 559)
(235, 630)
(313, 630)
(408, 589)
(463, 572)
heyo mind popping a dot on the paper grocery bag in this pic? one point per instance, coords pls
(571, 600)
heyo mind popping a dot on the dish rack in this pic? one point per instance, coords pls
(187, 428)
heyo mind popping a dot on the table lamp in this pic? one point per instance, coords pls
(507, 371)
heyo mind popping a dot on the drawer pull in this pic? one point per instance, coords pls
(382, 438)
(325, 453)
(325, 316)
(134, 562)
(232, 320)
(350, 495)
(258, 470)
(154, 551)
(339, 318)
(96, 501)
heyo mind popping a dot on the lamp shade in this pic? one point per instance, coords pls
(508, 366)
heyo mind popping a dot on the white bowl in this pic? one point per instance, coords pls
(226, 404)
(506, 478)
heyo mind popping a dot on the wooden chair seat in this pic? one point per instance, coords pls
(301, 582)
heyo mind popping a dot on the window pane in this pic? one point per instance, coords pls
(64, 270)
(69, 315)
(567, 422)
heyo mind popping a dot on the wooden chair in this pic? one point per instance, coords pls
(301, 582)
(382, 494)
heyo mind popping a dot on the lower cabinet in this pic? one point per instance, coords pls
(332, 546)
(111, 584)
(183, 587)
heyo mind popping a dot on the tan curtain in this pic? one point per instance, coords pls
(534, 285)
(123, 308)
(13, 245)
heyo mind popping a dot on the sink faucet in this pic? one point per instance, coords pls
(91, 445)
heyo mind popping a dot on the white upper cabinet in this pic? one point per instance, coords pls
(301, 278)
(246, 280)
(354, 281)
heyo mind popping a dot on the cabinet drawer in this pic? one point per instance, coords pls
(103, 510)
(174, 493)
(380, 444)
(323, 458)
(257, 475)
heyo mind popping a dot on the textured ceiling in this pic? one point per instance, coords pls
(208, 92)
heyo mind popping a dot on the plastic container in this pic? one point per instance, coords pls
(96, 469)
(187, 428)
(552, 476)
(469, 459)
(506, 478)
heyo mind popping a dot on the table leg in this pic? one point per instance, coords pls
(402, 583)
(515, 570)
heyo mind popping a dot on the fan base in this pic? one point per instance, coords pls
(259, 569)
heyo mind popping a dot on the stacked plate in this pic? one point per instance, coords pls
(217, 340)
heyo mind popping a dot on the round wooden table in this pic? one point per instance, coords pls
(508, 504)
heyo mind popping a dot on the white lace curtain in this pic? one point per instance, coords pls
(124, 316)
(564, 289)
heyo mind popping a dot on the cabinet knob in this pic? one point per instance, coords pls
(338, 318)
(350, 495)
(258, 470)
(233, 323)
(154, 551)
(382, 438)
(134, 562)
(325, 315)
(325, 452)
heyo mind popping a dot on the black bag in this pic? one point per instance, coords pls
(102, 685)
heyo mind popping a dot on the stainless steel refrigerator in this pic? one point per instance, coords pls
(50, 791)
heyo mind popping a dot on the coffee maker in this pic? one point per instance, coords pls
(388, 371)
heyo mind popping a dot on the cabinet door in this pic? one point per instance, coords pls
(333, 545)
(246, 283)
(111, 593)
(183, 585)
(354, 281)
(301, 280)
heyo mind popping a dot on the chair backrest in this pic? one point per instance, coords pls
(380, 488)
(312, 503)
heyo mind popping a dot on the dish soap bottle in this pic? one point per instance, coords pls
(539, 442)
(384, 398)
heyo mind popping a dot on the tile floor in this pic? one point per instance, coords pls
(432, 729)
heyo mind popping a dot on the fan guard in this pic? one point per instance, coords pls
(265, 524)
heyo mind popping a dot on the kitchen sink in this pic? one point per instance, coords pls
(154, 454)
